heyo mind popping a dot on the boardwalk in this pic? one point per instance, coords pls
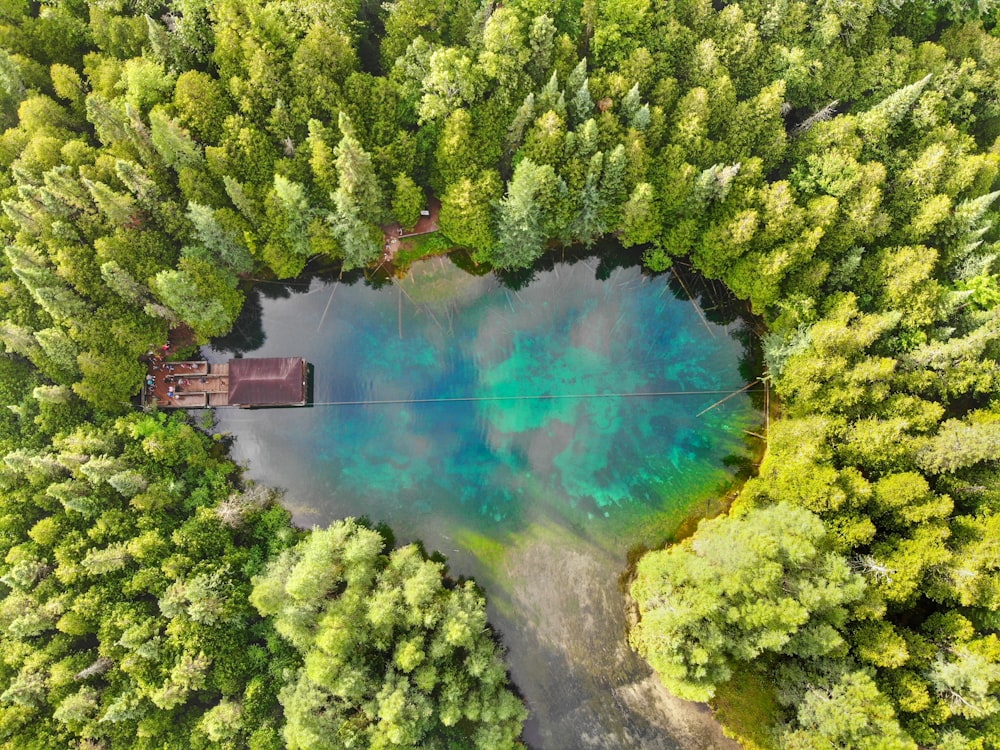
(250, 382)
(186, 385)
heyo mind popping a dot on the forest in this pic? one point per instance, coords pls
(834, 163)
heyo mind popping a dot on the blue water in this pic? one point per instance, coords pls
(553, 461)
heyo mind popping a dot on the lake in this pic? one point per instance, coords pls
(533, 432)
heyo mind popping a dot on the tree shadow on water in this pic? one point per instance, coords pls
(247, 333)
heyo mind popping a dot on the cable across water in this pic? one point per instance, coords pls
(539, 397)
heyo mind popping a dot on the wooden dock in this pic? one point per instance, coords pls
(199, 384)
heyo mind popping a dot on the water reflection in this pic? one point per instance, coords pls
(503, 434)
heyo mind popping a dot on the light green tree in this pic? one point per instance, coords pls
(849, 713)
(467, 213)
(203, 296)
(408, 201)
(766, 582)
(451, 83)
(357, 200)
(522, 221)
(391, 657)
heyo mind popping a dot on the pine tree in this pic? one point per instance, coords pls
(408, 201)
(242, 200)
(962, 443)
(456, 155)
(356, 176)
(631, 104)
(550, 97)
(515, 133)
(138, 182)
(851, 712)
(62, 183)
(504, 54)
(578, 76)
(110, 121)
(12, 89)
(522, 219)
(172, 142)
(586, 225)
(467, 213)
(541, 40)
(60, 350)
(220, 243)
(204, 297)
(321, 158)
(639, 219)
(357, 201)
(742, 587)
(582, 105)
(451, 83)
(877, 123)
(48, 290)
(118, 208)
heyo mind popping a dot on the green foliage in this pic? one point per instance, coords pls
(289, 216)
(764, 583)
(467, 213)
(118, 621)
(408, 201)
(524, 213)
(203, 296)
(451, 83)
(850, 713)
(391, 657)
(357, 201)
(833, 164)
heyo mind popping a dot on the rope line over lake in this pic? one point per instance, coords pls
(540, 397)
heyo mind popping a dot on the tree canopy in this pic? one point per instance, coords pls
(835, 165)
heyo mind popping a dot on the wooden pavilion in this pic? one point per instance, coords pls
(247, 383)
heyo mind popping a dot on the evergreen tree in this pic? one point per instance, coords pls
(357, 201)
(219, 242)
(850, 713)
(408, 201)
(201, 295)
(639, 220)
(391, 656)
(467, 213)
(742, 587)
(451, 83)
(289, 217)
(522, 220)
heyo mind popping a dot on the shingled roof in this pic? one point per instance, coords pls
(269, 381)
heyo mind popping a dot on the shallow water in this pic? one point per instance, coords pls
(507, 434)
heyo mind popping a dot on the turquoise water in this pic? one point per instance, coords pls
(501, 427)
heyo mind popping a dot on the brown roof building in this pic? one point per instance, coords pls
(267, 381)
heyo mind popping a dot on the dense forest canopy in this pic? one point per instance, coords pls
(834, 163)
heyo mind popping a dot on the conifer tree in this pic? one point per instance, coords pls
(742, 587)
(201, 295)
(467, 213)
(357, 200)
(217, 240)
(118, 208)
(407, 201)
(174, 145)
(522, 220)
(639, 220)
